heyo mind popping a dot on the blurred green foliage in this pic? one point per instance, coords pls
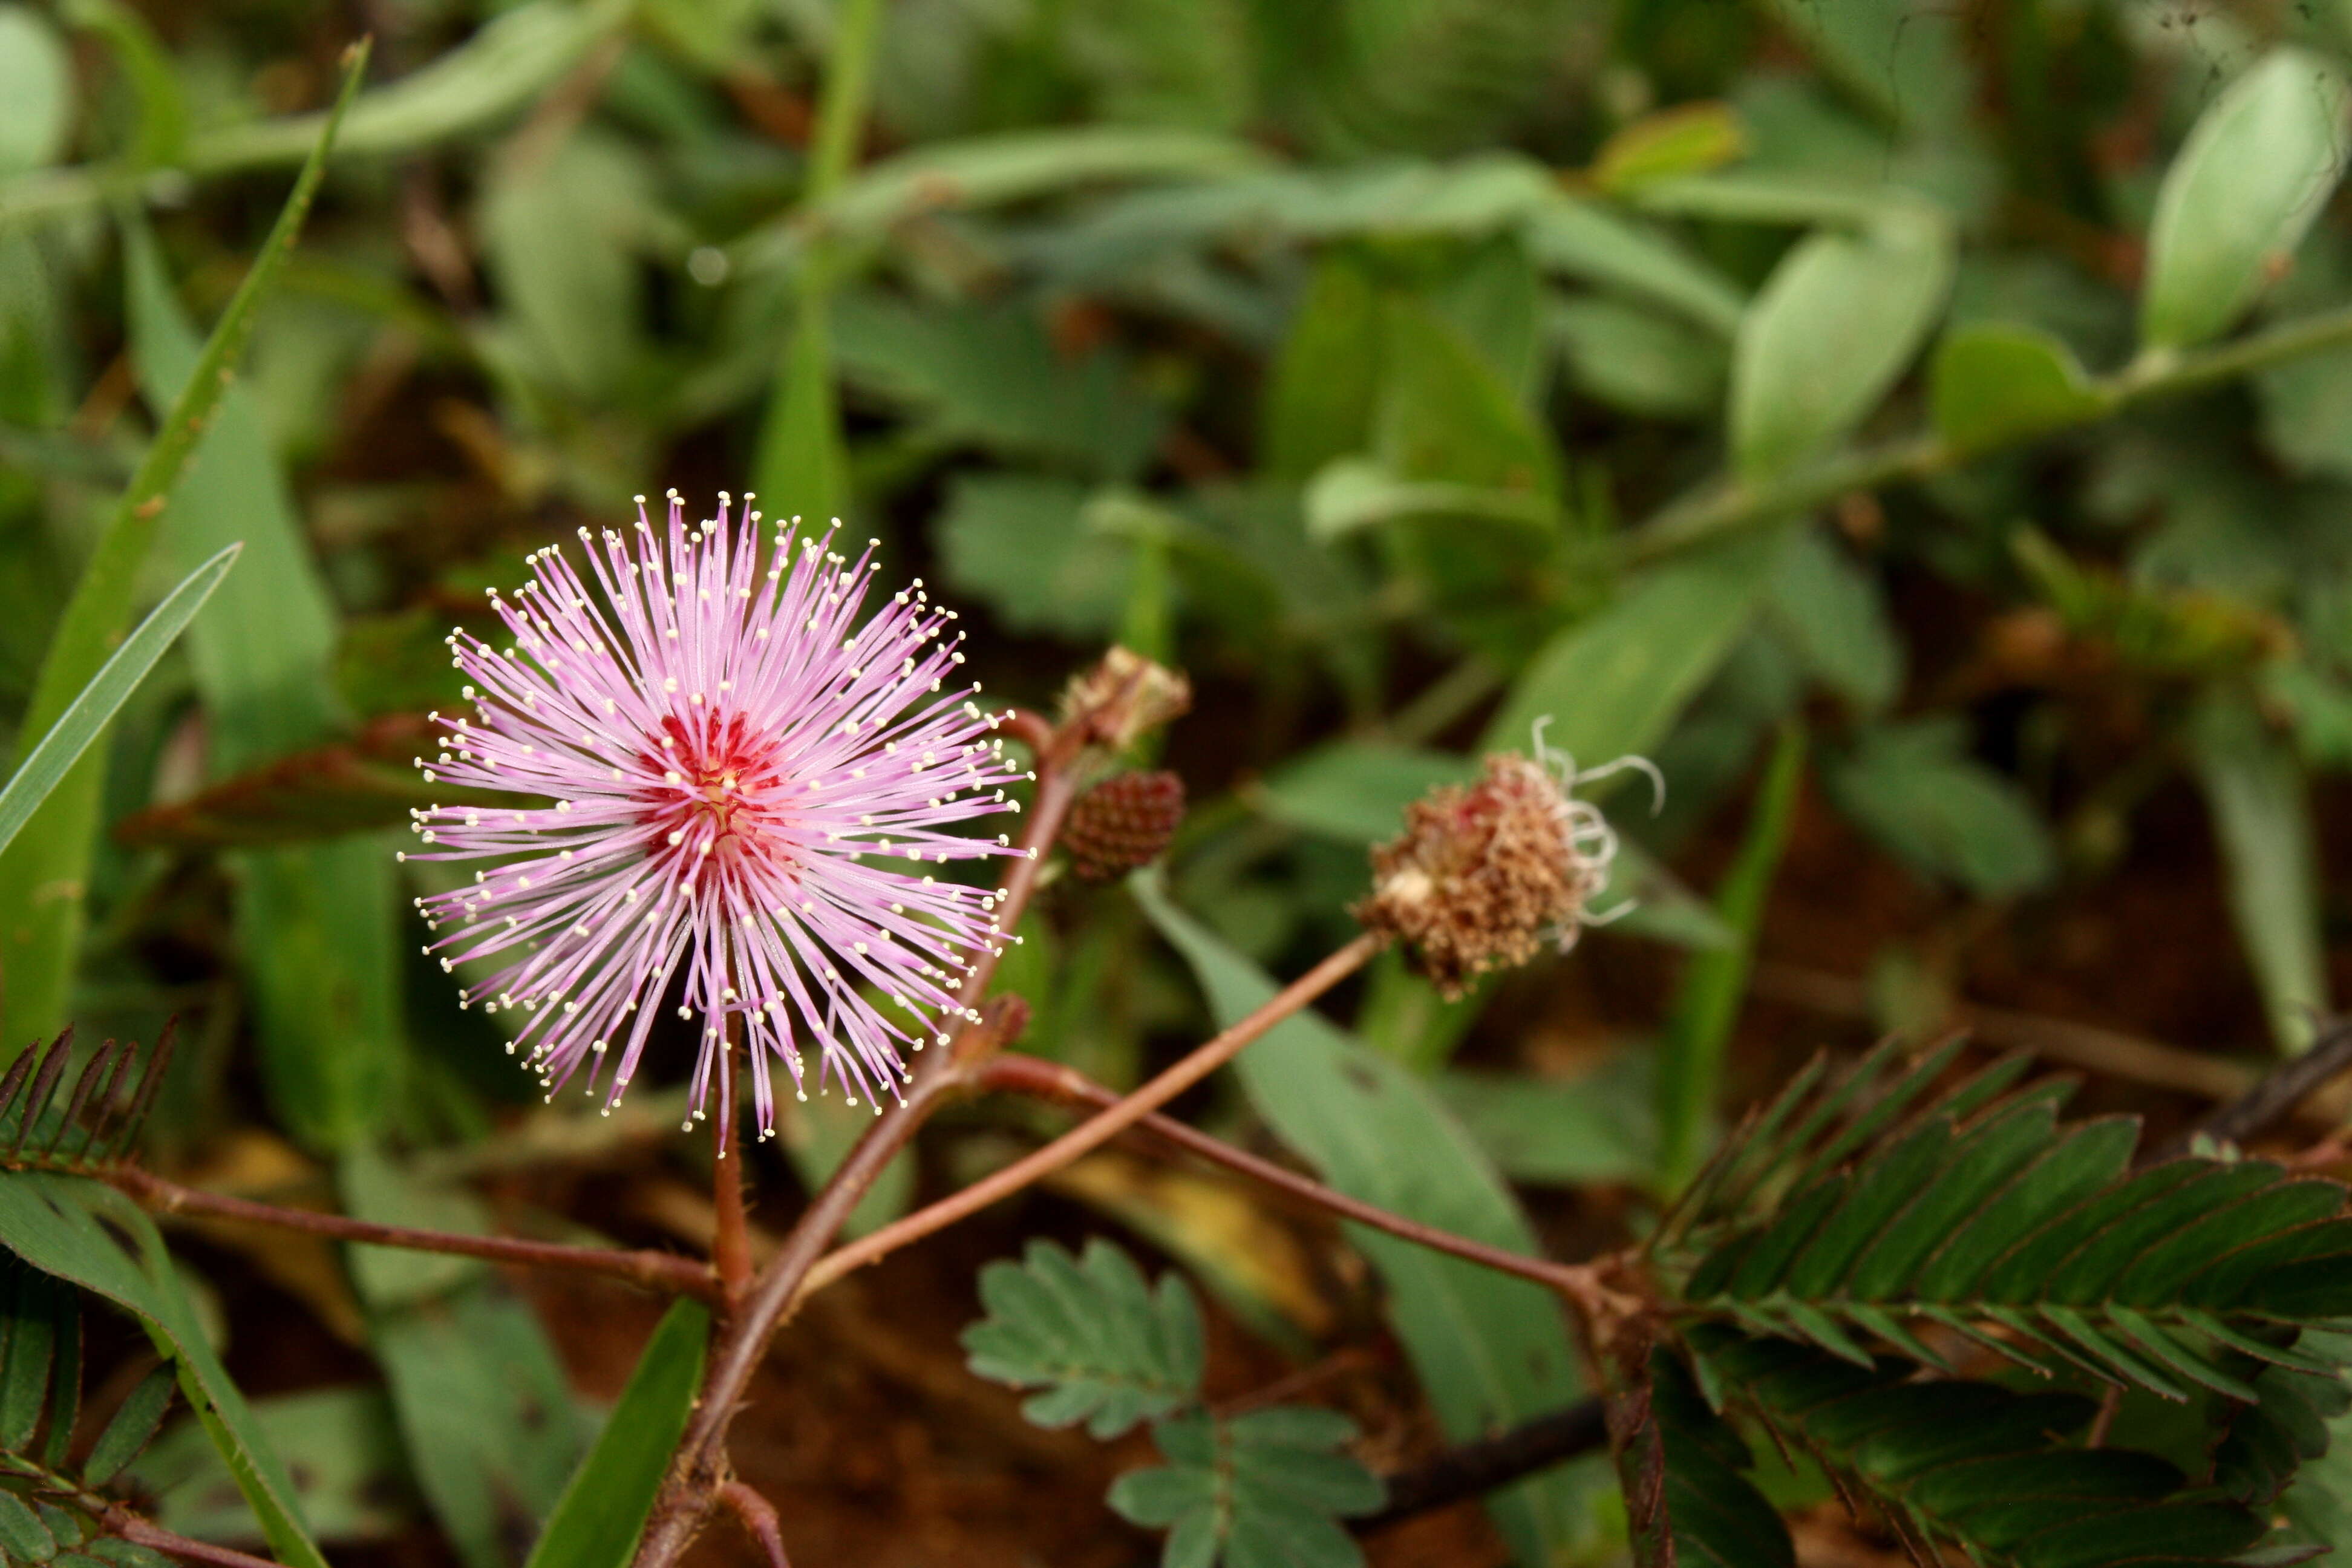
(1971, 387)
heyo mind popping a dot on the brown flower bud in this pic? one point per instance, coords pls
(1487, 872)
(1122, 823)
(1125, 696)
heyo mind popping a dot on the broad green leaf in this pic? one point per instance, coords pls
(37, 948)
(1444, 413)
(1909, 60)
(2262, 818)
(1490, 1351)
(80, 724)
(1614, 684)
(1350, 494)
(1913, 787)
(606, 1503)
(1994, 383)
(37, 91)
(1638, 361)
(561, 229)
(1830, 610)
(353, 1481)
(317, 922)
(2235, 203)
(1595, 244)
(1600, 1127)
(54, 1223)
(506, 64)
(1691, 1050)
(991, 376)
(1105, 1348)
(483, 1403)
(1322, 383)
(1020, 545)
(486, 1412)
(1835, 324)
(1355, 791)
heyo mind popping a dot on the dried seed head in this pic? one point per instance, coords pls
(1125, 696)
(1485, 873)
(1122, 823)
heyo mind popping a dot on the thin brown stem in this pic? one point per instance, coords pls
(127, 1526)
(758, 1517)
(1099, 1129)
(652, 1270)
(1048, 1080)
(731, 1245)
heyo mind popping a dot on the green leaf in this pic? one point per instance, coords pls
(54, 1223)
(1715, 1515)
(2235, 203)
(22, 1534)
(1831, 611)
(39, 949)
(353, 1481)
(1612, 686)
(35, 92)
(1844, 1210)
(1913, 789)
(1834, 325)
(509, 61)
(1490, 1351)
(560, 229)
(1637, 360)
(1689, 139)
(2262, 817)
(132, 1428)
(1020, 543)
(1603, 247)
(1994, 383)
(1690, 1056)
(1355, 791)
(991, 376)
(317, 923)
(1323, 381)
(1259, 1490)
(25, 1373)
(604, 1507)
(99, 701)
(1349, 495)
(1598, 1128)
(154, 79)
(1105, 1348)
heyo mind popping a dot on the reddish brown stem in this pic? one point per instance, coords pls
(1043, 1080)
(731, 1242)
(652, 1270)
(758, 1517)
(128, 1526)
(1099, 1129)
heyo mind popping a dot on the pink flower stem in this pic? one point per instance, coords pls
(127, 1526)
(730, 1244)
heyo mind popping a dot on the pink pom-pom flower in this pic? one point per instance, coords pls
(733, 777)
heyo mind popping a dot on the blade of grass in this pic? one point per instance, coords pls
(1690, 1063)
(801, 465)
(105, 694)
(43, 874)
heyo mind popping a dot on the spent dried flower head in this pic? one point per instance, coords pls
(1124, 696)
(1486, 873)
(742, 780)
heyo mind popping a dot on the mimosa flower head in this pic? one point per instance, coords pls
(725, 772)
